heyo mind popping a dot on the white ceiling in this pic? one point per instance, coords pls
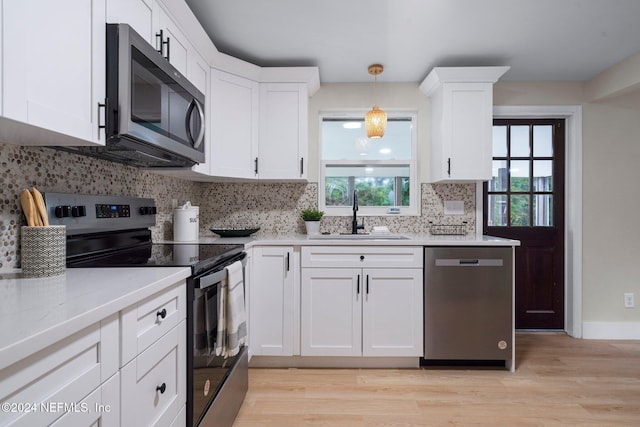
(542, 40)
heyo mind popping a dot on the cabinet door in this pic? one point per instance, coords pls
(54, 66)
(137, 13)
(331, 312)
(100, 408)
(283, 131)
(174, 44)
(234, 125)
(272, 302)
(470, 127)
(151, 383)
(392, 312)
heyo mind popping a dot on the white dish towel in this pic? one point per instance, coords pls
(232, 324)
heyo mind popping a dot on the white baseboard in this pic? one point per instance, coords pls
(611, 330)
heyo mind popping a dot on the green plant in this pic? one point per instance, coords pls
(311, 214)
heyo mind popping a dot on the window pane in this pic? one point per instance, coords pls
(345, 139)
(543, 210)
(337, 191)
(520, 175)
(497, 216)
(376, 185)
(543, 141)
(500, 176)
(520, 141)
(543, 175)
(520, 210)
(499, 141)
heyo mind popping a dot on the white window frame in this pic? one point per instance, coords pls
(412, 210)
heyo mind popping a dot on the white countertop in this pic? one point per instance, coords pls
(35, 313)
(305, 240)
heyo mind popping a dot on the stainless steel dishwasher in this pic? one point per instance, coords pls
(468, 304)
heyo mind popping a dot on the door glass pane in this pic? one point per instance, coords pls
(520, 210)
(499, 141)
(500, 176)
(520, 175)
(542, 141)
(520, 141)
(497, 215)
(543, 210)
(543, 175)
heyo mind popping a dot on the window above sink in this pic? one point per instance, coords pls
(382, 171)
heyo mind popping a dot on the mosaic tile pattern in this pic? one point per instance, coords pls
(58, 171)
(274, 207)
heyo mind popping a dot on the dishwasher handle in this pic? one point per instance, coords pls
(466, 262)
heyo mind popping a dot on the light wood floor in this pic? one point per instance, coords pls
(559, 381)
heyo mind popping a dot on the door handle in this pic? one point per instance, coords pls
(367, 284)
(358, 286)
(287, 263)
(195, 143)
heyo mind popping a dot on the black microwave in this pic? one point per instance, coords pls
(154, 117)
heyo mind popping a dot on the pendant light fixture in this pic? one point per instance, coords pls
(375, 121)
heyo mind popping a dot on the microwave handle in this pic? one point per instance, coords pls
(198, 140)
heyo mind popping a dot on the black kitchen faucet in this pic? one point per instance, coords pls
(354, 224)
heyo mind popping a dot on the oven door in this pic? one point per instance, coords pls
(215, 386)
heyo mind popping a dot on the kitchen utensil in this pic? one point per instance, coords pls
(29, 208)
(40, 206)
(234, 232)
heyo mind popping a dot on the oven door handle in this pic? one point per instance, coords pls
(216, 277)
(212, 279)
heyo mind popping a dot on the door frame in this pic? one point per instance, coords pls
(573, 201)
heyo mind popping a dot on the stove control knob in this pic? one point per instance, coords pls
(148, 210)
(62, 211)
(77, 211)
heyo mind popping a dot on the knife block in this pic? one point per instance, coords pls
(44, 251)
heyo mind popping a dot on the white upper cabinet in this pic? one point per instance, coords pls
(233, 103)
(282, 151)
(461, 101)
(53, 71)
(172, 43)
(137, 13)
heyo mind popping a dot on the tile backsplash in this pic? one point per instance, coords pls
(274, 207)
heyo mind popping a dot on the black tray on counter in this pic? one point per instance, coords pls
(234, 232)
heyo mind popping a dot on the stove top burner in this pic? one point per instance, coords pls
(199, 257)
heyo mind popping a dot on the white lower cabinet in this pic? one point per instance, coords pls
(153, 375)
(273, 309)
(357, 309)
(151, 384)
(85, 379)
(45, 386)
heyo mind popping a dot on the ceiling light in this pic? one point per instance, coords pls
(375, 121)
(385, 150)
(352, 125)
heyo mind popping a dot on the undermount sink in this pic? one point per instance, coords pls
(358, 237)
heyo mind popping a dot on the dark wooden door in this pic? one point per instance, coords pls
(525, 201)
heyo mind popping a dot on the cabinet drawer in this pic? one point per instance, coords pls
(63, 373)
(362, 256)
(144, 323)
(100, 408)
(150, 384)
